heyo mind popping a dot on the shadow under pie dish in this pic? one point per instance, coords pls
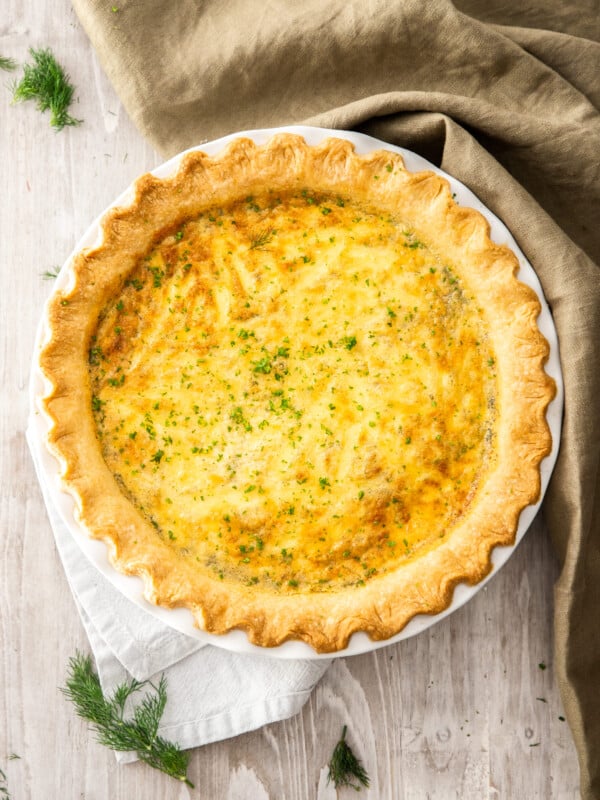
(298, 390)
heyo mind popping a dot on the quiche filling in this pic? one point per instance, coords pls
(297, 392)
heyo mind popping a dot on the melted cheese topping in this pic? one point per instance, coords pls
(296, 392)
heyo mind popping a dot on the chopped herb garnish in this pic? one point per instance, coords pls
(263, 366)
(237, 415)
(262, 239)
(414, 244)
(95, 355)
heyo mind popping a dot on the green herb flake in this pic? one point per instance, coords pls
(237, 415)
(262, 366)
(262, 239)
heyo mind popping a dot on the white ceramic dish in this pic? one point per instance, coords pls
(180, 619)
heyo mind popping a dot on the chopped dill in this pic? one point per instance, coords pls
(262, 239)
(4, 794)
(45, 81)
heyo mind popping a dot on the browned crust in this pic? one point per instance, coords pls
(385, 605)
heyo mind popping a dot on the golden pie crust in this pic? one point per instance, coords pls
(299, 391)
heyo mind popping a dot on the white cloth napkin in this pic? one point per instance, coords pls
(213, 694)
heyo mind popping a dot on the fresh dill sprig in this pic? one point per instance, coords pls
(262, 239)
(45, 81)
(4, 795)
(50, 274)
(8, 64)
(344, 766)
(139, 732)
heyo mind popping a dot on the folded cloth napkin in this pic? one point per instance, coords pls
(213, 694)
(506, 97)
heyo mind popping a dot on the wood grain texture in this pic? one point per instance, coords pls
(462, 711)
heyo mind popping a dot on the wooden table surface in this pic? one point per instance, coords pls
(468, 710)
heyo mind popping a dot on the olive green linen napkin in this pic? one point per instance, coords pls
(504, 96)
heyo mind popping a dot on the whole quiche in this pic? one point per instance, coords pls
(299, 391)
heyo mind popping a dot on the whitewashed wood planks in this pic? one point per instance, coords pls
(462, 711)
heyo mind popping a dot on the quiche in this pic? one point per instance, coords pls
(298, 390)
